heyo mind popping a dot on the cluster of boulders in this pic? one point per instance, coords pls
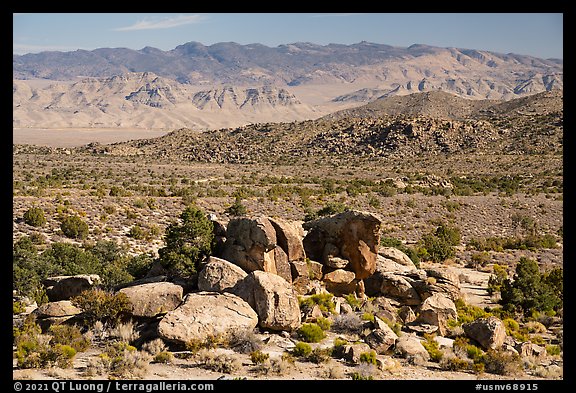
(262, 266)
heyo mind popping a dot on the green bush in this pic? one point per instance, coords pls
(497, 279)
(311, 333)
(18, 308)
(302, 349)
(34, 217)
(163, 357)
(100, 305)
(237, 209)
(35, 350)
(368, 357)
(187, 243)
(70, 335)
(433, 348)
(74, 227)
(530, 290)
(439, 244)
(323, 300)
(324, 323)
(553, 350)
(259, 357)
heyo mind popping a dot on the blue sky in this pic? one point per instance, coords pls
(535, 34)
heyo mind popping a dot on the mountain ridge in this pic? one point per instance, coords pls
(532, 125)
(467, 72)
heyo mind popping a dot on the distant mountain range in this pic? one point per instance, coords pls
(415, 68)
(145, 100)
(228, 84)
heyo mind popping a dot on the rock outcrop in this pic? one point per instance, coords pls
(351, 235)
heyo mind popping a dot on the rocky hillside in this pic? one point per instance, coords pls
(333, 289)
(428, 127)
(392, 70)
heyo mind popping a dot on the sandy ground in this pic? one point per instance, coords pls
(72, 137)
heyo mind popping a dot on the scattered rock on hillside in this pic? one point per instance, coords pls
(488, 332)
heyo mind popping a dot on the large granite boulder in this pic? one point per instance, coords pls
(250, 244)
(207, 314)
(273, 298)
(289, 236)
(219, 275)
(351, 235)
(489, 332)
(153, 299)
(436, 310)
(66, 287)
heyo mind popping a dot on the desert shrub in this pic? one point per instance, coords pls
(497, 279)
(245, 341)
(137, 232)
(323, 300)
(18, 307)
(433, 348)
(475, 353)
(324, 323)
(553, 349)
(368, 357)
(37, 350)
(479, 259)
(367, 316)
(258, 357)
(353, 301)
(311, 333)
(122, 360)
(237, 209)
(187, 242)
(455, 363)
(163, 357)
(34, 217)
(347, 323)
(439, 244)
(74, 227)
(302, 349)
(100, 305)
(125, 332)
(320, 355)
(220, 363)
(467, 313)
(501, 362)
(530, 290)
(69, 335)
(339, 343)
(154, 347)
